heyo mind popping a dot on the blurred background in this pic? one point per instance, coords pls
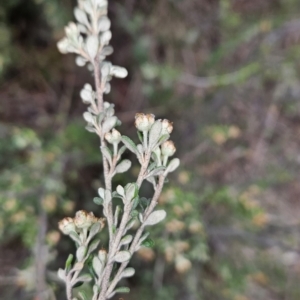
(227, 73)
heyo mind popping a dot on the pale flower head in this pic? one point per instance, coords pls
(144, 122)
(83, 219)
(167, 126)
(182, 264)
(102, 254)
(66, 225)
(168, 148)
(113, 137)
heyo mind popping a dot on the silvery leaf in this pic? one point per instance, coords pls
(173, 165)
(105, 69)
(90, 129)
(88, 117)
(97, 265)
(101, 192)
(109, 124)
(107, 88)
(123, 166)
(107, 50)
(119, 72)
(86, 96)
(105, 37)
(94, 229)
(131, 191)
(75, 237)
(98, 201)
(107, 154)
(155, 133)
(92, 46)
(61, 274)
(116, 216)
(126, 240)
(144, 236)
(84, 278)
(140, 148)
(129, 144)
(129, 272)
(63, 45)
(80, 253)
(93, 246)
(81, 16)
(122, 256)
(87, 7)
(156, 172)
(152, 180)
(120, 190)
(78, 266)
(130, 224)
(80, 61)
(155, 217)
(103, 24)
(121, 151)
(141, 218)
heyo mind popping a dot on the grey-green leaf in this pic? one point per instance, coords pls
(173, 165)
(92, 46)
(123, 166)
(80, 253)
(98, 201)
(129, 272)
(155, 133)
(97, 265)
(122, 256)
(126, 240)
(107, 154)
(129, 144)
(155, 217)
(109, 124)
(61, 274)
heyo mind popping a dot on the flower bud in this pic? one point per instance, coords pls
(144, 122)
(113, 137)
(167, 126)
(84, 219)
(101, 221)
(182, 264)
(102, 254)
(168, 148)
(66, 225)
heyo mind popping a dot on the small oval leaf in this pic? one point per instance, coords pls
(122, 256)
(155, 217)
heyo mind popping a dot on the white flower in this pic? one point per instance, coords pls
(144, 122)
(113, 137)
(167, 126)
(83, 219)
(168, 148)
(66, 225)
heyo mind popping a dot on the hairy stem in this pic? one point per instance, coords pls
(137, 236)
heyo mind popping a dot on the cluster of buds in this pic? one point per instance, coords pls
(113, 137)
(82, 220)
(164, 150)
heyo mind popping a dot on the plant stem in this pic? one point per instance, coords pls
(137, 236)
